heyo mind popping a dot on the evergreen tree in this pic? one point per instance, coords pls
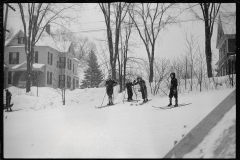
(92, 75)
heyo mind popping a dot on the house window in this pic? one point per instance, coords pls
(57, 64)
(14, 58)
(20, 40)
(68, 82)
(9, 77)
(49, 78)
(73, 67)
(70, 64)
(61, 81)
(77, 83)
(50, 58)
(36, 57)
(231, 45)
(73, 83)
(62, 61)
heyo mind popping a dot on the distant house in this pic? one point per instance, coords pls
(54, 63)
(226, 43)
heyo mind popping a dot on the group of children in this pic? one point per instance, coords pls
(110, 83)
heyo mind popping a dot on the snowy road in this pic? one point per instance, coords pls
(78, 130)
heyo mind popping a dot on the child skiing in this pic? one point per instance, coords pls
(173, 90)
(8, 99)
(143, 88)
(110, 83)
(129, 90)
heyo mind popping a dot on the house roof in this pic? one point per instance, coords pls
(10, 39)
(63, 46)
(46, 40)
(228, 23)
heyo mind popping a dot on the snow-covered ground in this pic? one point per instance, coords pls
(220, 141)
(41, 127)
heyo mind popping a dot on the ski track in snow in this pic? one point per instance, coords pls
(79, 130)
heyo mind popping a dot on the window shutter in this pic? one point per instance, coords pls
(67, 63)
(64, 62)
(36, 57)
(17, 58)
(10, 58)
(51, 78)
(48, 57)
(59, 81)
(47, 77)
(51, 58)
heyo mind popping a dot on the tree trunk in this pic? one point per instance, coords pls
(151, 71)
(29, 72)
(208, 51)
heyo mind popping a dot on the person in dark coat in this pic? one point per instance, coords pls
(129, 90)
(173, 90)
(110, 83)
(8, 99)
(143, 88)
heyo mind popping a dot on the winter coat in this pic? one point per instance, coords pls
(174, 83)
(141, 83)
(110, 83)
(129, 85)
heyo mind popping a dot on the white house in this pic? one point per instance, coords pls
(54, 62)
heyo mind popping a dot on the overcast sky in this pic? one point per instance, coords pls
(170, 42)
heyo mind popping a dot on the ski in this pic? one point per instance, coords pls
(144, 102)
(106, 105)
(134, 100)
(5, 106)
(172, 106)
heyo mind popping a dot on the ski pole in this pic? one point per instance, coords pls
(135, 92)
(103, 99)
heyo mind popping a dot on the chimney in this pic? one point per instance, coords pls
(48, 28)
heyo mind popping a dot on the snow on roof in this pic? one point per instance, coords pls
(19, 65)
(10, 39)
(63, 46)
(76, 59)
(47, 40)
(22, 66)
(38, 65)
(228, 23)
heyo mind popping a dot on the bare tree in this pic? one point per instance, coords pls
(209, 12)
(35, 17)
(200, 67)
(154, 17)
(177, 67)
(123, 57)
(191, 50)
(161, 71)
(114, 14)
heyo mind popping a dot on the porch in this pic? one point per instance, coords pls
(19, 75)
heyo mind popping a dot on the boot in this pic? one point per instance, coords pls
(176, 103)
(170, 102)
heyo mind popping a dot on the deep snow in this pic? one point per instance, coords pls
(41, 127)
